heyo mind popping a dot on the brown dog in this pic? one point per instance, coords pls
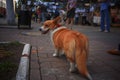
(72, 43)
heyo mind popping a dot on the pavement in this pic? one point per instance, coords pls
(43, 66)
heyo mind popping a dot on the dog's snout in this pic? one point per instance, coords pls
(43, 30)
(40, 29)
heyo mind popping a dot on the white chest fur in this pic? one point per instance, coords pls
(53, 31)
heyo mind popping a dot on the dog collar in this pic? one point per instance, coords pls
(57, 26)
(57, 29)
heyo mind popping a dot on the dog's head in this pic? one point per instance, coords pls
(50, 25)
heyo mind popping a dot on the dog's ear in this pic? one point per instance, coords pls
(57, 20)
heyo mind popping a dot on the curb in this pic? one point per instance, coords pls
(23, 70)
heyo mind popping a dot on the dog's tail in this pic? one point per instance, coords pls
(81, 56)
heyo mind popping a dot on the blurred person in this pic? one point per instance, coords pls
(38, 13)
(43, 12)
(56, 13)
(62, 15)
(84, 18)
(90, 15)
(35, 16)
(71, 5)
(77, 14)
(48, 16)
(105, 15)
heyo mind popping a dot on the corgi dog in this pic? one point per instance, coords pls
(72, 43)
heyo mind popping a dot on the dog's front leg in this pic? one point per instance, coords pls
(56, 54)
(62, 52)
(72, 67)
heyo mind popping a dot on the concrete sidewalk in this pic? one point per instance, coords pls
(101, 65)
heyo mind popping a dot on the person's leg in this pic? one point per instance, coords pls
(102, 25)
(76, 20)
(43, 16)
(67, 21)
(71, 22)
(83, 20)
(107, 20)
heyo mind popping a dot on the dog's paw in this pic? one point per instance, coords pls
(55, 55)
(72, 70)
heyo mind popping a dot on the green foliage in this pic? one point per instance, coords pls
(7, 66)
(10, 54)
(16, 43)
(4, 52)
(7, 54)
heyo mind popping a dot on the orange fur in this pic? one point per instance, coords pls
(74, 44)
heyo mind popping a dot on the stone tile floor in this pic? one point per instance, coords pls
(101, 65)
